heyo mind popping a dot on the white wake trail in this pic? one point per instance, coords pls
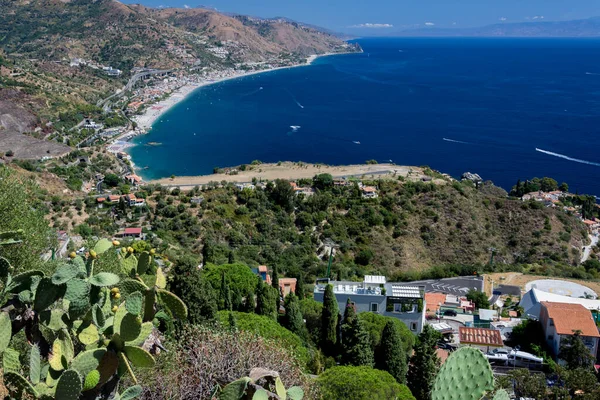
(567, 157)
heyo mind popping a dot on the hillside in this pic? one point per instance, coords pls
(55, 57)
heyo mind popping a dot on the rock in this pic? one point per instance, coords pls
(468, 176)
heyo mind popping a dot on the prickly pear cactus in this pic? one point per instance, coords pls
(466, 375)
(501, 395)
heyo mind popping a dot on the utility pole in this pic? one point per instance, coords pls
(492, 251)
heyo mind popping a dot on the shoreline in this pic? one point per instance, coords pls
(150, 115)
(293, 171)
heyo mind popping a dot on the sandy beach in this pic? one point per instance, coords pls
(293, 171)
(154, 111)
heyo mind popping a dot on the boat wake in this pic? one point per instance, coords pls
(567, 157)
(455, 141)
(252, 92)
(294, 98)
(295, 128)
(355, 142)
(592, 73)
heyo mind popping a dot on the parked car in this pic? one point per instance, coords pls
(450, 313)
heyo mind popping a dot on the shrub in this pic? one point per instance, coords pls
(360, 383)
(205, 358)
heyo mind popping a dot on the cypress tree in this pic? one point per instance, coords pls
(225, 295)
(231, 258)
(232, 322)
(275, 278)
(293, 319)
(236, 301)
(356, 342)
(424, 364)
(250, 303)
(391, 356)
(300, 287)
(265, 301)
(329, 321)
(194, 290)
(349, 311)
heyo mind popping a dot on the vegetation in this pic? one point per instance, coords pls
(424, 364)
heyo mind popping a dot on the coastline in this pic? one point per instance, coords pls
(294, 171)
(156, 110)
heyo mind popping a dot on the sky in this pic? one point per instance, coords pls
(385, 16)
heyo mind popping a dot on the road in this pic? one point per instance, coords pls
(131, 83)
(457, 286)
(587, 250)
(505, 290)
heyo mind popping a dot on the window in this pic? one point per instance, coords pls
(397, 307)
(550, 337)
(413, 326)
(374, 307)
(551, 322)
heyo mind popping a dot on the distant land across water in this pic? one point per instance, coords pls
(506, 109)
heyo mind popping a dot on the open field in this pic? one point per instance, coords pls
(292, 171)
(519, 279)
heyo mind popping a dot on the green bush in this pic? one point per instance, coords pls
(360, 383)
(239, 276)
(269, 329)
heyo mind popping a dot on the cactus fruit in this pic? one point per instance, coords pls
(72, 255)
(173, 303)
(114, 309)
(117, 296)
(466, 375)
(69, 386)
(91, 380)
(501, 395)
(116, 243)
(5, 331)
(93, 254)
(104, 279)
(130, 250)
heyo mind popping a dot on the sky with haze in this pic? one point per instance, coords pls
(385, 16)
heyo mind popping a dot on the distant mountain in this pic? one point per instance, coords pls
(576, 28)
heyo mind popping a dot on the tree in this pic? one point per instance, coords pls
(329, 320)
(424, 364)
(112, 180)
(20, 209)
(391, 356)
(574, 352)
(275, 278)
(323, 181)
(375, 323)
(356, 343)
(478, 298)
(265, 301)
(293, 319)
(300, 287)
(225, 300)
(563, 187)
(239, 276)
(249, 303)
(195, 291)
(548, 184)
(282, 194)
(311, 311)
(360, 383)
(527, 334)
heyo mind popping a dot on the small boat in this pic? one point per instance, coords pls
(355, 142)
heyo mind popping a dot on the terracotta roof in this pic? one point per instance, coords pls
(589, 222)
(113, 198)
(480, 336)
(100, 199)
(570, 317)
(432, 301)
(287, 280)
(513, 314)
(133, 231)
(369, 189)
(442, 355)
(262, 268)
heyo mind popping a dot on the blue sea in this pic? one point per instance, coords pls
(506, 109)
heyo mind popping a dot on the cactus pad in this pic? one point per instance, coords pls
(22, 281)
(46, 294)
(161, 279)
(129, 264)
(10, 361)
(89, 335)
(102, 246)
(130, 328)
(501, 395)
(119, 315)
(261, 394)
(5, 331)
(17, 384)
(56, 360)
(108, 366)
(125, 367)
(279, 388)
(173, 303)
(147, 328)
(134, 303)
(131, 393)
(91, 380)
(65, 273)
(5, 267)
(87, 361)
(35, 368)
(98, 316)
(69, 386)
(104, 279)
(466, 375)
(128, 286)
(139, 357)
(26, 297)
(53, 319)
(143, 263)
(295, 393)
(235, 390)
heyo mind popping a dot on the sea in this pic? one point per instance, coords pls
(506, 109)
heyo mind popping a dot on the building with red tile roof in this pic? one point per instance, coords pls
(560, 320)
(434, 301)
(480, 337)
(287, 285)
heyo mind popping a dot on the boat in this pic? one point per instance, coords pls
(355, 142)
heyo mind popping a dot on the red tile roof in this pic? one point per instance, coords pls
(262, 268)
(480, 336)
(113, 198)
(432, 301)
(100, 199)
(133, 231)
(571, 317)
